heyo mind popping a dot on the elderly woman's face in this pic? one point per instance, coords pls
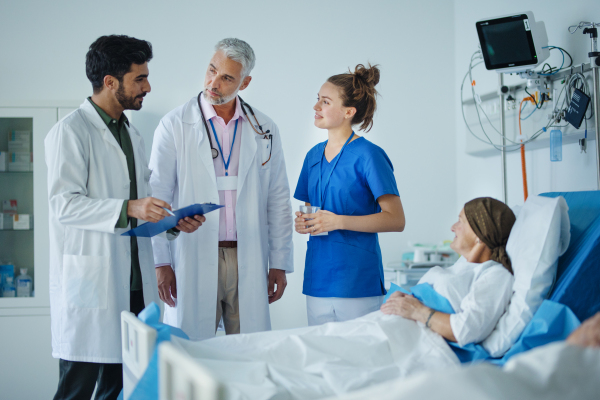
(464, 239)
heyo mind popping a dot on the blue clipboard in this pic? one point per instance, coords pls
(150, 229)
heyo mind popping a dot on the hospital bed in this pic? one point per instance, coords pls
(576, 285)
(138, 342)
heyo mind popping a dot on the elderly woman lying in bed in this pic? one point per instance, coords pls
(335, 358)
(478, 287)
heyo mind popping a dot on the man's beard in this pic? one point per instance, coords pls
(128, 103)
(221, 99)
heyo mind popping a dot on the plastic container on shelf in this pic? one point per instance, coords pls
(8, 290)
(24, 284)
(6, 270)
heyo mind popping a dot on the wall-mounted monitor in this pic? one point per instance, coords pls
(513, 43)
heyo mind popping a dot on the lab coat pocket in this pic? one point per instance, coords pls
(85, 281)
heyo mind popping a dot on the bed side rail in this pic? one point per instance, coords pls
(137, 344)
(182, 378)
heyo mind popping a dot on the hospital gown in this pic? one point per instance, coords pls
(478, 293)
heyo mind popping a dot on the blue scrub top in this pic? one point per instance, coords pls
(346, 263)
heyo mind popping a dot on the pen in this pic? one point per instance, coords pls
(169, 211)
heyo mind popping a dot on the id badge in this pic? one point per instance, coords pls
(227, 182)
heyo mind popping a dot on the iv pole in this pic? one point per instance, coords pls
(503, 132)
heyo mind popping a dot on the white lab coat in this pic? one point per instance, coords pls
(182, 174)
(90, 263)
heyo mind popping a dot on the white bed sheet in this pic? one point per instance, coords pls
(321, 361)
(553, 372)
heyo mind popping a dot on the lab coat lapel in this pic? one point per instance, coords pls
(191, 116)
(135, 140)
(140, 169)
(205, 156)
(93, 117)
(247, 152)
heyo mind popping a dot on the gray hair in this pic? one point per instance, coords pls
(239, 51)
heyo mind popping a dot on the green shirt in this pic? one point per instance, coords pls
(121, 134)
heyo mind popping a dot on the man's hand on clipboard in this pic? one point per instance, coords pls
(189, 225)
(148, 209)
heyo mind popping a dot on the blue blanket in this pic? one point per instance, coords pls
(552, 322)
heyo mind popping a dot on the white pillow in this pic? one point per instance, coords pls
(539, 236)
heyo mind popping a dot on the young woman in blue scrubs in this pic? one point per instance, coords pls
(352, 180)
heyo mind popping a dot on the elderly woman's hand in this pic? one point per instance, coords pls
(404, 305)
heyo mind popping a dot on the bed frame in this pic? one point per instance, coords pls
(180, 376)
(138, 341)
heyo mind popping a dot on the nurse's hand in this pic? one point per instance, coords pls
(404, 305)
(319, 222)
(300, 223)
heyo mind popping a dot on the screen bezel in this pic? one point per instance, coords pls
(533, 60)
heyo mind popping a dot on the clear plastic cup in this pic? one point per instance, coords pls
(312, 210)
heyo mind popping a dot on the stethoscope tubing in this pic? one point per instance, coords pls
(214, 151)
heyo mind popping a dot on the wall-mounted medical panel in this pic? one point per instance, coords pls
(532, 121)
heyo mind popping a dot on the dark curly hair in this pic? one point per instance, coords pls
(358, 90)
(113, 55)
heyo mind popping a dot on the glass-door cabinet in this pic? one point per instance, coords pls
(24, 234)
(24, 243)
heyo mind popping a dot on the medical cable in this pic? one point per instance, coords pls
(530, 114)
(474, 56)
(510, 147)
(561, 65)
(489, 141)
(523, 164)
(553, 70)
(538, 106)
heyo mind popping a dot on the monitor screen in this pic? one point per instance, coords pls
(507, 42)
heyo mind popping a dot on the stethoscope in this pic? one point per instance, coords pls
(265, 135)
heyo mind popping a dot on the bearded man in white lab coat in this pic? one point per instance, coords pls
(98, 187)
(217, 149)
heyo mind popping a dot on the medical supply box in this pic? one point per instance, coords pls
(21, 222)
(20, 157)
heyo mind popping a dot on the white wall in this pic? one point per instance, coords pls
(480, 176)
(298, 45)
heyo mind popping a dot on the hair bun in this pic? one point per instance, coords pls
(369, 75)
(357, 89)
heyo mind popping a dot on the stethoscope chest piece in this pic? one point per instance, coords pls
(215, 152)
